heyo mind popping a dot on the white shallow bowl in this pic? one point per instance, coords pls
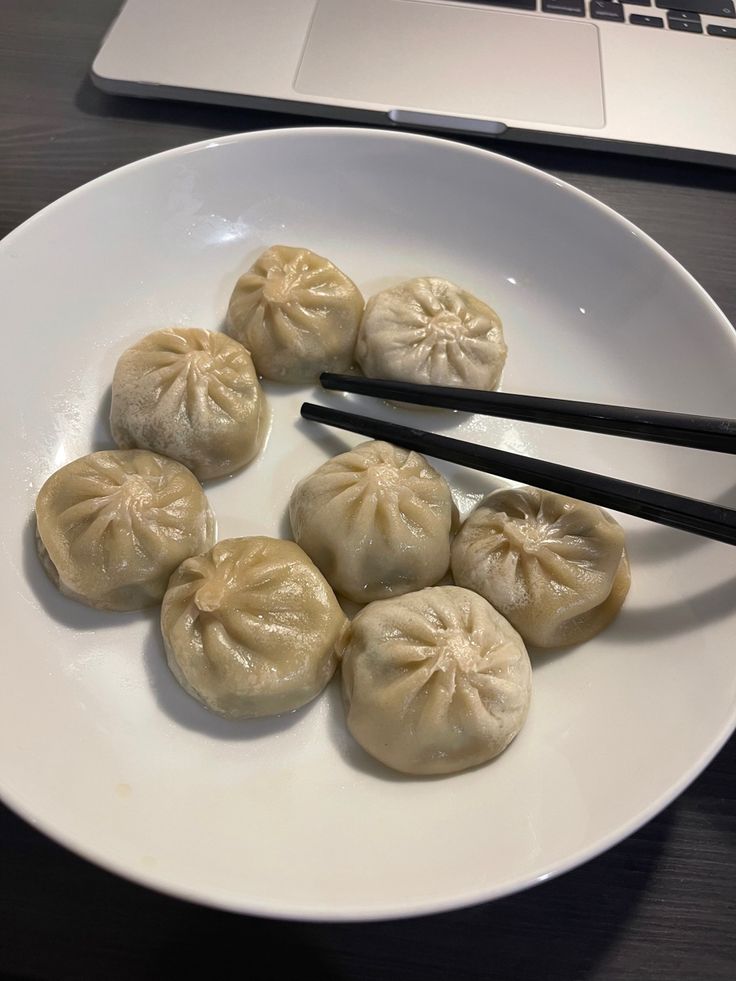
(288, 817)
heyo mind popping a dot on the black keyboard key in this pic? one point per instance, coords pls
(687, 26)
(712, 8)
(573, 8)
(716, 30)
(639, 3)
(644, 21)
(606, 10)
(683, 15)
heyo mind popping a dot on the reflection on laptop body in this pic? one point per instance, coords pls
(644, 76)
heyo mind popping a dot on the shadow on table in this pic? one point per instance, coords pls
(563, 930)
(715, 791)
(557, 932)
(91, 101)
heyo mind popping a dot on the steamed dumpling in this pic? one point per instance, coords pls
(297, 314)
(555, 567)
(434, 681)
(376, 520)
(431, 332)
(192, 395)
(250, 627)
(113, 526)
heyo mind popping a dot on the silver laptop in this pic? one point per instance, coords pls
(643, 76)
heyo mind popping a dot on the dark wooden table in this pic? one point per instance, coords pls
(661, 905)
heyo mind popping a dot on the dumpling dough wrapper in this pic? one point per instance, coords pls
(434, 681)
(431, 332)
(376, 520)
(193, 395)
(113, 526)
(297, 314)
(250, 628)
(555, 567)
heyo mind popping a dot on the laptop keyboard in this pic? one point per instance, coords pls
(684, 16)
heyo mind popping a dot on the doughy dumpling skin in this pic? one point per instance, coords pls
(250, 627)
(555, 567)
(192, 395)
(431, 332)
(434, 681)
(112, 527)
(376, 520)
(297, 314)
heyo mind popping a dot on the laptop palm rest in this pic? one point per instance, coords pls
(448, 59)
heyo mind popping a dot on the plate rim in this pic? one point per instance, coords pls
(223, 899)
(286, 132)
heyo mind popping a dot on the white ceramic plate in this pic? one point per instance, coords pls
(288, 817)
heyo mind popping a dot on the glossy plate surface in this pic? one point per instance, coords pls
(101, 749)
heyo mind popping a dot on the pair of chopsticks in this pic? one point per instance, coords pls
(684, 513)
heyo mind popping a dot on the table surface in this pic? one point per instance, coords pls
(658, 906)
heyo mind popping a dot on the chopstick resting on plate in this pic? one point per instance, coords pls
(698, 432)
(683, 513)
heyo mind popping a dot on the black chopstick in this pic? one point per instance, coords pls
(684, 513)
(699, 432)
